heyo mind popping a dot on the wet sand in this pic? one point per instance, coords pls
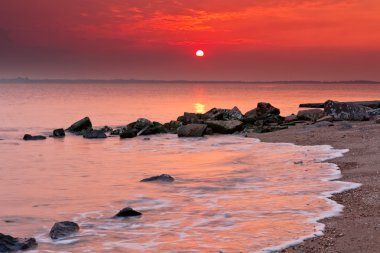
(357, 229)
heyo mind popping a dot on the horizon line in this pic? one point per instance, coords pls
(132, 80)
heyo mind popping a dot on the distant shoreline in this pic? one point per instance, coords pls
(136, 81)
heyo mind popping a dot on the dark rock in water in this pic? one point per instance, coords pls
(225, 127)
(223, 114)
(377, 120)
(172, 126)
(311, 114)
(106, 129)
(28, 137)
(12, 244)
(95, 134)
(128, 133)
(265, 112)
(83, 124)
(154, 128)
(192, 130)
(346, 111)
(161, 178)
(146, 139)
(140, 124)
(63, 229)
(115, 132)
(59, 133)
(127, 212)
(344, 125)
(209, 131)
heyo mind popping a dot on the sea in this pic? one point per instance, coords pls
(230, 194)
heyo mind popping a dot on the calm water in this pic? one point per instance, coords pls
(231, 193)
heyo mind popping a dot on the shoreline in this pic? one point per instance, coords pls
(357, 226)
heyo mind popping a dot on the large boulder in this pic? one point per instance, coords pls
(140, 124)
(83, 124)
(265, 112)
(192, 130)
(28, 137)
(12, 244)
(94, 134)
(63, 229)
(311, 114)
(346, 111)
(225, 127)
(223, 114)
(127, 212)
(161, 178)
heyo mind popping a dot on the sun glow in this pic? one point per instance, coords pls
(200, 53)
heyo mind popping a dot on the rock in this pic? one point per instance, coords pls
(154, 128)
(290, 118)
(320, 124)
(191, 118)
(146, 139)
(63, 229)
(95, 134)
(192, 130)
(377, 120)
(225, 127)
(59, 133)
(346, 111)
(106, 129)
(140, 124)
(127, 212)
(172, 126)
(373, 112)
(265, 112)
(115, 132)
(344, 125)
(28, 137)
(128, 133)
(83, 124)
(223, 114)
(161, 178)
(311, 114)
(326, 118)
(12, 244)
(209, 131)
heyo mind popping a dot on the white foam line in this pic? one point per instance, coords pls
(336, 207)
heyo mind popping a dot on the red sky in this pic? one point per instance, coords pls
(157, 39)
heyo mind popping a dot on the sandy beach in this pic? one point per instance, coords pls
(357, 229)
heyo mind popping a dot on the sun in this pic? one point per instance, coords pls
(200, 53)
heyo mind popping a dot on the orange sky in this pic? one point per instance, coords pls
(157, 39)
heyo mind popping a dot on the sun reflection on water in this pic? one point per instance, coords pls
(199, 108)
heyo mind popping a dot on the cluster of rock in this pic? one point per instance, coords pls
(66, 229)
(263, 118)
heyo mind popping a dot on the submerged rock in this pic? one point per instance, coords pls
(311, 114)
(94, 134)
(83, 124)
(59, 133)
(127, 212)
(12, 244)
(225, 127)
(161, 178)
(63, 229)
(192, 130)
(28, 137)
(346, 111)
